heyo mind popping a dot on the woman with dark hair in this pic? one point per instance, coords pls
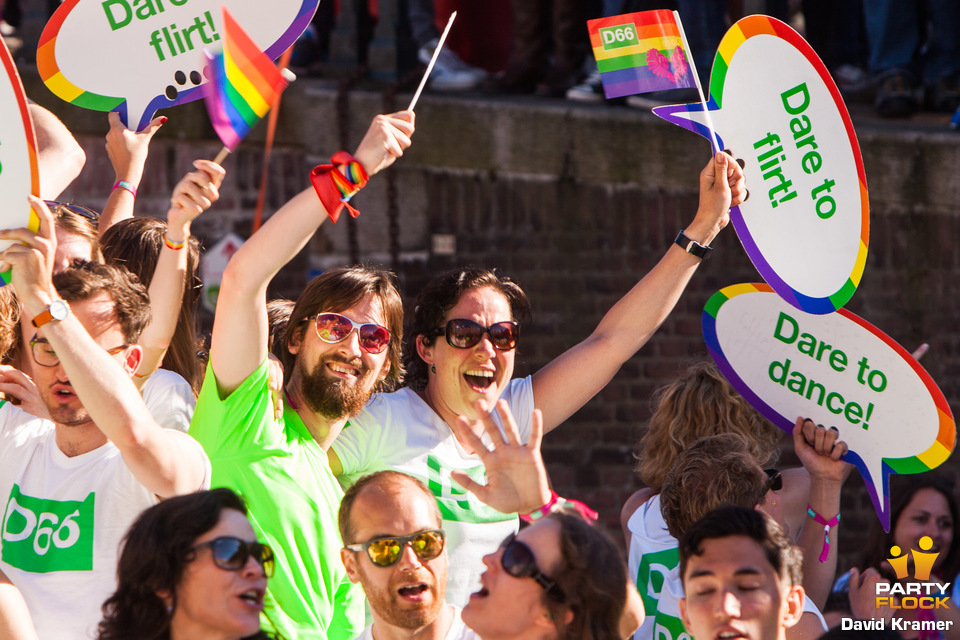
(923, 514)
(559, 578)
(190, 568)
(462, 349)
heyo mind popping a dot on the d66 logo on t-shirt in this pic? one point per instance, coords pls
(41, 536)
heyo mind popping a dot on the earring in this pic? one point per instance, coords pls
(433, 368)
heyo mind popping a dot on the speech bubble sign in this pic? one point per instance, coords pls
(19, 174)
(774, 104)
(839, 371)
(138, 56)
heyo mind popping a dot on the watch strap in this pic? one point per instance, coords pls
(48, 314)
(692, 246)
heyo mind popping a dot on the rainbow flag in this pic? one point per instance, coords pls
(244, 84)
(640, 52)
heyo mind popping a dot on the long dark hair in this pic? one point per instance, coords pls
(155, 551)
(902, 491)
(135, 244)
(593, 579)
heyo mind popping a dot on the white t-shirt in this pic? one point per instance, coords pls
(400, 431)
(651, 559)
(458, 630)
(63, 522)
(170, 399)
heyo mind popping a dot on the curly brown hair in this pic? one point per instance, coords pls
(84, 280)
(697, 404)
(710, 473)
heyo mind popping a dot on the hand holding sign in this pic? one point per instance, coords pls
(774, 105)
(137, 56)
(840, 371)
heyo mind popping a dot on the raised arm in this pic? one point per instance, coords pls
(128, 154)
(239, 342)
(193, 195)
(59, 157)
(164, 461)
(819, 450)
(569, 381)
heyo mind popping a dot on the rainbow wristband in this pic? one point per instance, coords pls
(123, 184)
(173, 245)
(335, 188)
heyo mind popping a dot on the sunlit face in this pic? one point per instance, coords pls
(337, 379)
(506, 606)
(467, 375)
(732, 591)
(216, 603)
(410, 594)
(98, 317)
(70, 247)
(927, 514)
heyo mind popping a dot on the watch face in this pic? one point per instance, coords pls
(59, 310)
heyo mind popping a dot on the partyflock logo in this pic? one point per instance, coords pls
(919, 593)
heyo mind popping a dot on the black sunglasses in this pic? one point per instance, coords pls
(386, 552)
(231, 554)
(774, 481)
(79, 209)
(518, 561)
(465, 334)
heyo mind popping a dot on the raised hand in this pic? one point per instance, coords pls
(516, 478)
(385, 141)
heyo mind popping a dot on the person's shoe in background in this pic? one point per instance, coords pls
(590, 90)
(944, 95)
(897, 96)
(450, 73)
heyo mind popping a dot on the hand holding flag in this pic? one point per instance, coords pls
(244, 85)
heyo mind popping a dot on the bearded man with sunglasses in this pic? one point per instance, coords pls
(342, 344)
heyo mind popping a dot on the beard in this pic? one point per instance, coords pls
(333, 398)
(404, 615)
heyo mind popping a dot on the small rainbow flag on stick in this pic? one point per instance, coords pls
(640, 52)
(244, 84)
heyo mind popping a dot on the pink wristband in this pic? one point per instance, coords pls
(123, 184)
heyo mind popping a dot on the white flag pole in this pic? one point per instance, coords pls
(696, 78)
(433, 61)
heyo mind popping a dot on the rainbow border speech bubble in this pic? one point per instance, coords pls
(735, 38)
(30, 138)
(63, 88)
(934, 456)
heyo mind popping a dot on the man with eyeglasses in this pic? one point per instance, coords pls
(342, 343)
(394, 547)
(72, 485)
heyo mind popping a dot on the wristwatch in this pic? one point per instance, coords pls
(693, 247)
(58, 310)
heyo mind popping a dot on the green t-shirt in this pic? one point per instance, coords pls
(293, 499)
